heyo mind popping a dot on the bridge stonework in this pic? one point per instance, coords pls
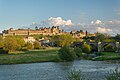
(101, 45)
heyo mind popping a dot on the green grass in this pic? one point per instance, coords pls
(108, 56)
(46, 55)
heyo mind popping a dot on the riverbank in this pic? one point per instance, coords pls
(108, 56)
(33, 56)
(48, 55)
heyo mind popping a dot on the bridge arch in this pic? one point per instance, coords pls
(108, 46)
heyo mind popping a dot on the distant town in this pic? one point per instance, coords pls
(54, 30)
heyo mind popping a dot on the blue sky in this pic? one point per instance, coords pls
(17, 13)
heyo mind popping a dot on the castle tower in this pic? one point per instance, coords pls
(86, 33)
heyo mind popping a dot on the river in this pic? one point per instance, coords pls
(94, 70)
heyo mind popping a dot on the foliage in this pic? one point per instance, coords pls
(29, 46)
(117, 37)
(37, 37)
(78, 51)
(86, 48)
(98, 53)
(36, 45)
(20, 40)
(109, 48)
(3, 51)
(64, 39)
(10, 43)
(75, 75)
(100, 37)
(67, 54)
(1, 42)
(113, 75)
(109, 40)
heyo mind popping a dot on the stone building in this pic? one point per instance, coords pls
(45, 31)
(78, 34)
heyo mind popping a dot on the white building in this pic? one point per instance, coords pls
(29, 39)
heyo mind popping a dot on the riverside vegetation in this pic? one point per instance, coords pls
(77, 75)
(20, 52)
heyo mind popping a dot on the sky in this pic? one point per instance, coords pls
(92, 15)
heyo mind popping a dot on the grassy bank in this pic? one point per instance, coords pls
(46, 55)
(108, 56)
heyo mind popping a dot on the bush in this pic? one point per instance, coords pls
(75, 75)
(86, 48)
(67, 54)
(98, 53)
(36, 45)
(78, 51)
(29, 46)
(3, 51)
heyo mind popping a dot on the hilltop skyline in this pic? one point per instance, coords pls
(93, 15)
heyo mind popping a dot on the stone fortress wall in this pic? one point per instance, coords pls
(45, 31)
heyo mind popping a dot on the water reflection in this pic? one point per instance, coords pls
(55, 70)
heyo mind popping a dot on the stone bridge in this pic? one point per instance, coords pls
(100, 45)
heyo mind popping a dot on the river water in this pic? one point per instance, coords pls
(94, 70)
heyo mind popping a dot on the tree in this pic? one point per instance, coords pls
(37, 37)
(117, 37)
(66, 53)
(100, 37)
(64, 39)
(1, 42)
(29, 46)
(10, 44)
(20, 41)
(36, 45)
(86, 48)
(78, 51)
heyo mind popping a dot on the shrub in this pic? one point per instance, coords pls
(78, 51)
(36, 45)
(75, 75)
(29, 46)
(86, 48)
(67, 54)
(113, 75)
(98, 53)
(3, 51)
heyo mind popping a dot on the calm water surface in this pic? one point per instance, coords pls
(95, 70)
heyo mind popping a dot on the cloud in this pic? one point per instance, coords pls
(103, 29)
(111, 27)
(98, 22)
(59, 21)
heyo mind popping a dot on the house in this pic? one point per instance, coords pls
(29, 39)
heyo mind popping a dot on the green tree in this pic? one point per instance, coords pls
(1, 42)
(86, 48)
(36, 45)
(67, 54)
(117, 37)
(100, 37)
(29, 46)
(78, 51)
(20, 41)
(10, 43)
(37, 37)
(64, 39)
